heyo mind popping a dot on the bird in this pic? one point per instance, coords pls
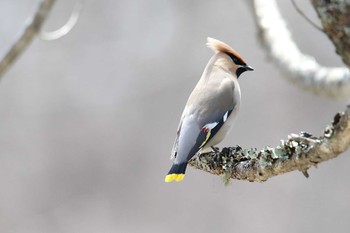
(211, 108)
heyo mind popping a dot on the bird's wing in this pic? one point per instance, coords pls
(176, 143)
(209, 130)
(191, 137)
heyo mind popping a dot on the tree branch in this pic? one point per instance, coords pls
(26, 37)
(297, 153)
(301, 69)
(335, 18)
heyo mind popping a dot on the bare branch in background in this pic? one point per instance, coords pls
(26, 37)
(65, 29)
(298, 153)
(33, 28)
(301, 69)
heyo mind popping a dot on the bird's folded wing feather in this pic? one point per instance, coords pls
(191, 139)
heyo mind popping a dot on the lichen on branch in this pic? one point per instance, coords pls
(298, 153)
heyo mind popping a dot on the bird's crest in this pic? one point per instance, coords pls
(219, 46)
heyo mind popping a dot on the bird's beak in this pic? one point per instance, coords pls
(249, 68)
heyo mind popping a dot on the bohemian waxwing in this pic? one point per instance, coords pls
(210, 109)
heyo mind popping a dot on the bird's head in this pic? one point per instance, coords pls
(235, 61)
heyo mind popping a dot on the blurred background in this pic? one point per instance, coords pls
(87, 123)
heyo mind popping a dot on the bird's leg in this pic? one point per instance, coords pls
(215, 150)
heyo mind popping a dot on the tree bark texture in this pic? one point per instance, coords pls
(335, 18)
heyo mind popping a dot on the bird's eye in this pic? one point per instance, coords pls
(235, 59)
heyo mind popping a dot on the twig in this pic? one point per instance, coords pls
(305, 17)
(30, 31)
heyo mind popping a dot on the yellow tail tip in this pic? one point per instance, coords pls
(176, 177)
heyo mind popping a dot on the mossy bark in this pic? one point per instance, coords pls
(297, 153)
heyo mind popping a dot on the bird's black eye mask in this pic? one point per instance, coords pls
(236, 60)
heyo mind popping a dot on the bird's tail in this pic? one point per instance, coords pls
(177, 172)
